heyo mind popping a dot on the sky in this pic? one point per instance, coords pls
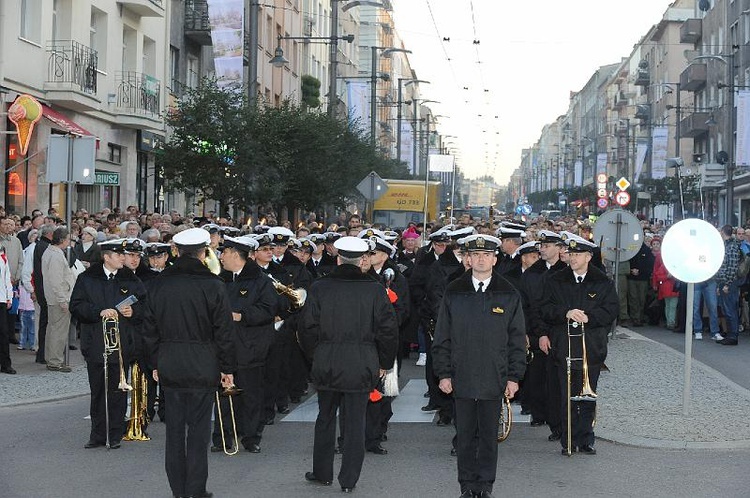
(502, 69)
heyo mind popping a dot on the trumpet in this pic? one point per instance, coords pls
(506, 421)
(138, 401)
(212, 262)
(229, 393)
(111, 335)
(297, 297)
(586, 393)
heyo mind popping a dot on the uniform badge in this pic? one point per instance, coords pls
(498, 310)
(480, 242)
(243, 292)
(123, 291)
(592, 296)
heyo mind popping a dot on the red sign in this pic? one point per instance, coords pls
(601, 178)
(13, 151)
(602, 203)
(622, 198)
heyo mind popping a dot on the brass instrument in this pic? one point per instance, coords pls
(228, 392)
(506, 421)
(587, 393)
(138, 402)
(212, 261)
(111, 334)
(297, 297)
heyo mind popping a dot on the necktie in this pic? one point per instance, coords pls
(111, 276)
(579, 279)
(316, 263)
(481, 285)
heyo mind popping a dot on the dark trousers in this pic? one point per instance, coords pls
(118, 403)
(5, 335)
(376, 425)
(186, 456)
(552, 394)
(276, 375)
(43, 319)
(583, 412)
(11, 321)
(477, 424)
(299, 369)
(437, 397)
(354, 406)
(248, 410)
(534, 381)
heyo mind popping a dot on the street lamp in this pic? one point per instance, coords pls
(727, 59)
(387, 51)
(408, 81)
(414, 131)
(278, 60)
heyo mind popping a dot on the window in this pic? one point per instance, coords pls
(98, 36)
(149, 56)
(193, 72)
(31, 28)
(55, 8)
(115, 153)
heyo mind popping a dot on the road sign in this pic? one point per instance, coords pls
(602, 203)
(526, 209)
(519, 209)
(601, 178)
(623, 183)
(622, 198)
(601, 193)
(372, 187)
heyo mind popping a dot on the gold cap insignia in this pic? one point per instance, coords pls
(480, 242)
(573, 243)
(499, 311)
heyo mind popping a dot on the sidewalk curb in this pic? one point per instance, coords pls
(48, 399)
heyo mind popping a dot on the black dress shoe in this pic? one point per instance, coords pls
(253, 448)
(384, 437)
(13, 340)
(727, 342)
(114, 446)
(269, 421)
(555, 436)
(587, 450)
(564, 451)
(430, 408)
(8, 370)
(344, 489)
(426, 395)
(378, 450)
(443, 421)
(537, 423)
(93, 444)
(218, 449)
(284, 410)
(313, 478)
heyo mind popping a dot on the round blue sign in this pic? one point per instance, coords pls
(526, 209)
(519, 209)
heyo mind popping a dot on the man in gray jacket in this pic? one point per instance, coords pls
(59, 281)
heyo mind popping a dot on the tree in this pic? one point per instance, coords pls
(310, 91)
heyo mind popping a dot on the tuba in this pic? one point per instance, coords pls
(138, 402)
(111, 335)
(297, 297)
(587, 393)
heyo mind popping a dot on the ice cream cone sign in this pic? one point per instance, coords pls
(25, 113)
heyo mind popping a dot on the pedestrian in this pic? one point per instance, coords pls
(479, 355)
(350, 332)
(190, 348)
(728, 285)
(59, 280)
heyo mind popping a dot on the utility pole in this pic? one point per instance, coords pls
(252, 76)
(333, 59)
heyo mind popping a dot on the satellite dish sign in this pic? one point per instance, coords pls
(692, 250)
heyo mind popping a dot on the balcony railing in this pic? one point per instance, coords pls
(73, 64)
(197, 25)
(693, 78)
(694, 125)
(691, 31)
(138, 93)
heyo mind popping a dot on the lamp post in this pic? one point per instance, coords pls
(278, 59)
(408, 81)
(414, 130)
(387, 51)
(727, 59)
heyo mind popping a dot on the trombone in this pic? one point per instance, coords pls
(506, 421)
(228, 392)
(586, 393)
(111, 334)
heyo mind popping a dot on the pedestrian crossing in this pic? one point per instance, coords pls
(407, 407)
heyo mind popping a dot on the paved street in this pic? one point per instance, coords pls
(43, 456)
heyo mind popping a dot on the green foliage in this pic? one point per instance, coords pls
(310, 91)
(287, 155)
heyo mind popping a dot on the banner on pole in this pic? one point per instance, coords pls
(641, 149)
(601, 162)
(659, 138)
(441, 163)
(742, 155)
(227, 21)
(359, 102)
(578, 180)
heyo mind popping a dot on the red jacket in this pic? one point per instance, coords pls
(661, 280)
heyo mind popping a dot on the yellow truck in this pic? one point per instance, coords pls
(403, 202)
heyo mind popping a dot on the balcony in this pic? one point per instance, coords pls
(694, 125)
(144, 8)
(693, 78)
(691, 31)
(138, 99)
(642, 77)
(71, 75)
(197, 26)
(621, 99)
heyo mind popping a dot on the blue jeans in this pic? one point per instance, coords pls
(708, 291)
(27, 329)
(730, 306)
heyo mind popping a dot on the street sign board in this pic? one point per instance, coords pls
(623, 183)
(601, 178)
(601, 193)
(372, 187)
(622, 198)
(602, 203)
(526, 209)
(106, 178)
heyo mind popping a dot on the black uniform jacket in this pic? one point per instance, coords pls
(93, 293)
(188, 327)
(399, 286)
(349, 329)
(480, 338)
(252, 295)
(441, 274)
(325, 266)
(596, 296)
(531, 285)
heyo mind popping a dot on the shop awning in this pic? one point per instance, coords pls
(65, 123)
